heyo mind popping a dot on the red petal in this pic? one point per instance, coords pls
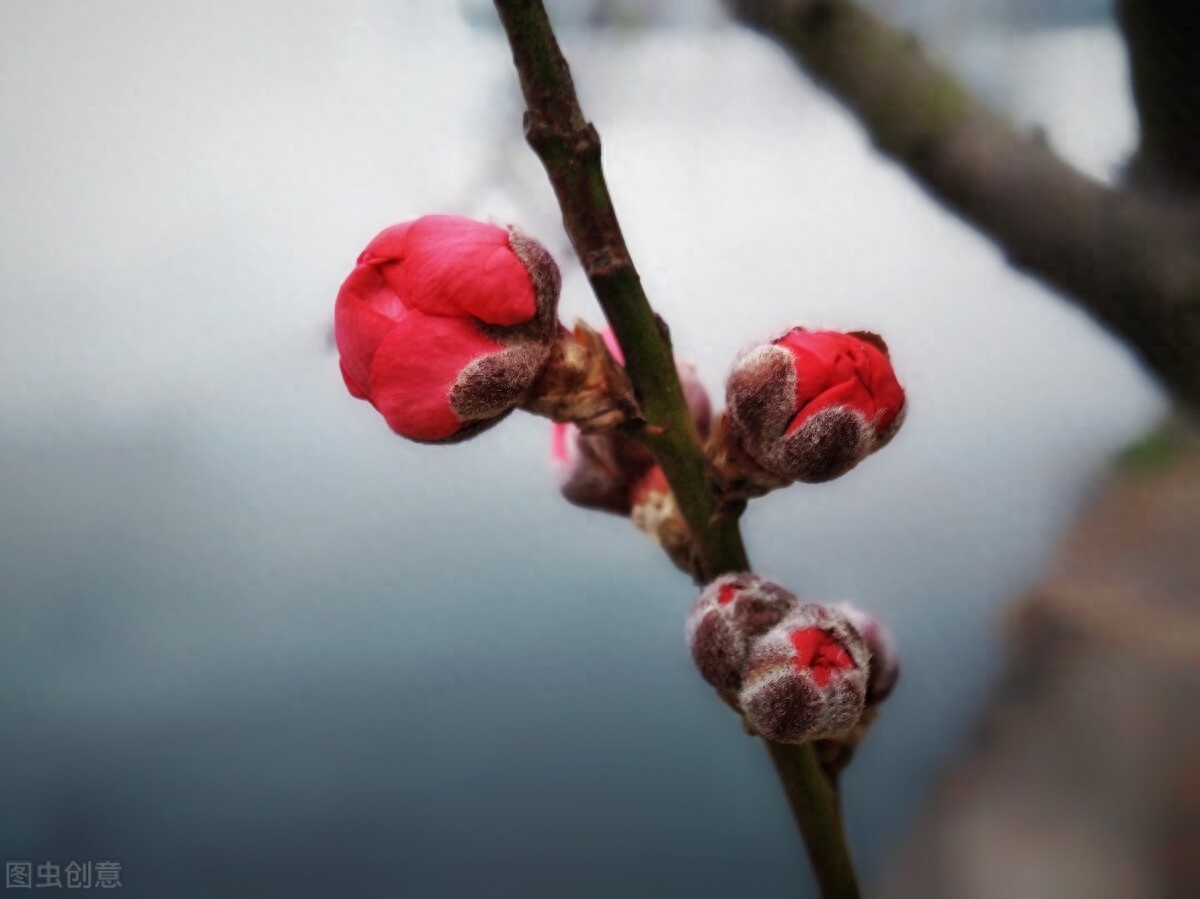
(806, 640)
(818, 652)
(451, 266)
(359, 325)
(889, 395)
(836, 369)
(355, 391)
(834, 656)
(387, 246)
(815, 346)
(416, 367)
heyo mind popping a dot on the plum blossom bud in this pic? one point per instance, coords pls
(730, 614)
(806, 679)
(885, 658)
(445, 323)
(810, 405)
(601, 469)
(598, 471)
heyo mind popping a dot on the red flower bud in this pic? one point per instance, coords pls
(806, 679)
(810, 405)
(729, 615)
(885, 657)
(444, 324)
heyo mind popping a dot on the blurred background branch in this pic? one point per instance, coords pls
(1165, 76)
(1129, 258)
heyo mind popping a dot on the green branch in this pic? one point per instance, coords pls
(569, 148)
(817, 809)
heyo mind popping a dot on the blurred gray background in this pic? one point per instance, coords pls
(253, 644)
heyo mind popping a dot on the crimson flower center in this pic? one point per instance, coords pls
(819, 653)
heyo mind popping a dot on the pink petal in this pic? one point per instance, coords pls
(561, 437)
(359, 326)
(610, 341)
(451, 266)
(415, 368)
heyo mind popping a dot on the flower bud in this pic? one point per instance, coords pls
(598, 471)
(810, 405)
(445, 323)
(729, 615)
(653, 503)
(885, 658)
(601, 469)
(806, 679)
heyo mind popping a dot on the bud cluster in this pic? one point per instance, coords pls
(607, 470)
(798, 671)
(446, 325)
(601, 469)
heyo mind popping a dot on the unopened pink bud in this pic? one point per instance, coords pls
(598, 471)
(729, 615)
(445, 323)
(810, 405)
(885, 657)
(806, 679)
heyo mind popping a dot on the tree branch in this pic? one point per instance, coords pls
(817, 808)
(569, 148)
(1131, 262)
(1164, 71)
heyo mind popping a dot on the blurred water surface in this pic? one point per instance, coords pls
(252, 644)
